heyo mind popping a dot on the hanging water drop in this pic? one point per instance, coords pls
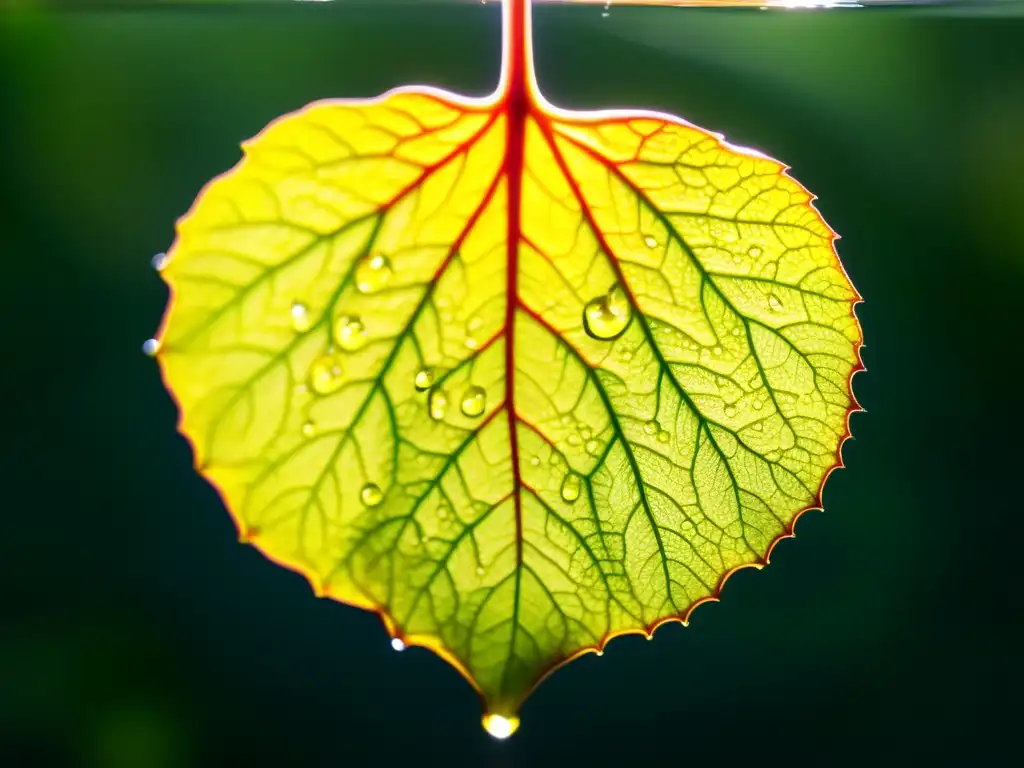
(437, 404)
(424, 379)
(474, 402)
(373, 273)
(571, 487)
(300, 317)
(607, 317)
(500, 727)
(350, 333)
(150, 347)
(159, 261)
(371, 495)
(397, 644)
(325, 375)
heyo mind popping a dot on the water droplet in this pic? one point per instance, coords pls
(350, 333)
(300, 317)
(373, 273)
(325, 375)
(474, 402)
(371, 495)
(652, 427)
(472, 343)
(442, 512)
(500, 727)
(555, 459)
(480, 571)
(759, 427)
(150, 347)
(774, 303)
(586, 432)
(474, 324)
(571, 487)
(736, 331)
(607, 317)
(716, 351)
(574, 440)
(424, 379)
(437, 403)
(593, 447)
(664, 436)
(754, 252)
(397, 644)
(309, 429)
(159, 261)
(535, 461)
(650, 242)
(730, 411)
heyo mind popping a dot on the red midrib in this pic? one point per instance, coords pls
(517, 106)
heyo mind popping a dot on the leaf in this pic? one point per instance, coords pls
(520, 380)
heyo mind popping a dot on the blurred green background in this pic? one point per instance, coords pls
(136, 632)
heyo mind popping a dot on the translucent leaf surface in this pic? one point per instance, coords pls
(518, 379)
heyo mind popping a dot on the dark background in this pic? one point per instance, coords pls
(136, 633)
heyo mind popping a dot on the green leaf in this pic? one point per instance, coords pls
(520, 380)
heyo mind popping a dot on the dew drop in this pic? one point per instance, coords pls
(535, 461)
(437, 404)
(571, 487)
(500, 727)
(474, 324)
(309, 429)
(371, 495)
(442, 512)
(650, 242)
(754, 252)
(774, 303)
(474, 402)
(593, 447)
(472, 343)
(730, 411)
(350, 333)
(574, 440)
(607, 317)
(325, 375)
(150, 347)
(664, 436)
(159, 261)
(300, 317)
(652, 427)
(480, 571)
(424, 379)
(717, 351)
(759, 427)
(397, 644)
(373, 273)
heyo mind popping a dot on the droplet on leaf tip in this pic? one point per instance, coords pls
(371, 495)
(397, 644)
(350, 333)
(607, 317)
(499, 726)
(150, 347)
(159, 261)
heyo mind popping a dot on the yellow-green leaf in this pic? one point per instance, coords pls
(519, 380)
